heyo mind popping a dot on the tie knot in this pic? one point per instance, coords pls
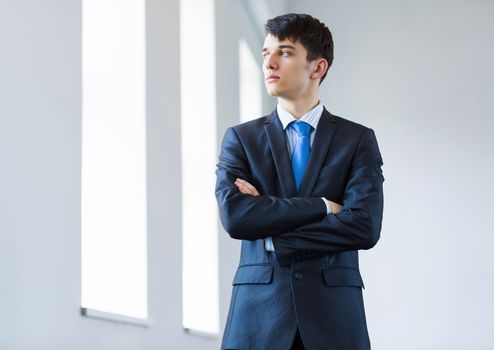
(301, 128)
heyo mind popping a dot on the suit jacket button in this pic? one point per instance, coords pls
(299, 276)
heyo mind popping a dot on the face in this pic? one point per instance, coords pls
(287, 72)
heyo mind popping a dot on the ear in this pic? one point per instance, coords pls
(320, 67)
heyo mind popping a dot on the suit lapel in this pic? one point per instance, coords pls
(319, 150)
(279, 149)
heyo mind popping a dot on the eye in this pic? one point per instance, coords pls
(285, 53)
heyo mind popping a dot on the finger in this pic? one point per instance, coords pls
(249, 186)
(242, 181)
(336, 208)
(239, 183)
(244, 189)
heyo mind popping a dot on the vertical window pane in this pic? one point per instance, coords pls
(114, 245)
(250, 84)
(200, 226)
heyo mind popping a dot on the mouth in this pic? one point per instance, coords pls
(272, 78)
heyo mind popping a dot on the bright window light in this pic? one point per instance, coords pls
(250, 84)
(114, 244)
(200, 223)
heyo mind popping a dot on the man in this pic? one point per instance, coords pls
(302, 189)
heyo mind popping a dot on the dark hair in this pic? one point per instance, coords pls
(312, 34)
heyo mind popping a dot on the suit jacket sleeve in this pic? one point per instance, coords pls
(248, 217)
(357, 226)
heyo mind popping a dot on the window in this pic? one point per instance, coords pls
(113, 208)
(200, 223)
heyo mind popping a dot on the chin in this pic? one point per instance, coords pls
(272, 92)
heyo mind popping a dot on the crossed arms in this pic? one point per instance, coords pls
(300, 227)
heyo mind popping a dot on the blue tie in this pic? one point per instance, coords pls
(301, 151)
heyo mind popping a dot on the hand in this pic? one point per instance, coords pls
(335, 207)
(246, 188)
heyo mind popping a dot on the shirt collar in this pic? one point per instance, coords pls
(311, 117)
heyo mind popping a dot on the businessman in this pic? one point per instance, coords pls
(302, 189)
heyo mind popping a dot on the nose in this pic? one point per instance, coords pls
(270, 62)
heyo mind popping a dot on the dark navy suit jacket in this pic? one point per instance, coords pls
(312, 282)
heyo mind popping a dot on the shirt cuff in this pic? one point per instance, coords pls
(328, 206)
(268, 244)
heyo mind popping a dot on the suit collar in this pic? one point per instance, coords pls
(277, 143)
(319, 151)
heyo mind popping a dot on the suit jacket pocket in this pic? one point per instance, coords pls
(341, 277)
(255, 274)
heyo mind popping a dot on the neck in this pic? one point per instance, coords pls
(298, 107)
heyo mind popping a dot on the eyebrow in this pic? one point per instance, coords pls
(281, 47)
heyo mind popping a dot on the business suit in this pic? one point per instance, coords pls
(312, 282)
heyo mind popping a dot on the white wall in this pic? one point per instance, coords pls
(420, 74)
(40, 146)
